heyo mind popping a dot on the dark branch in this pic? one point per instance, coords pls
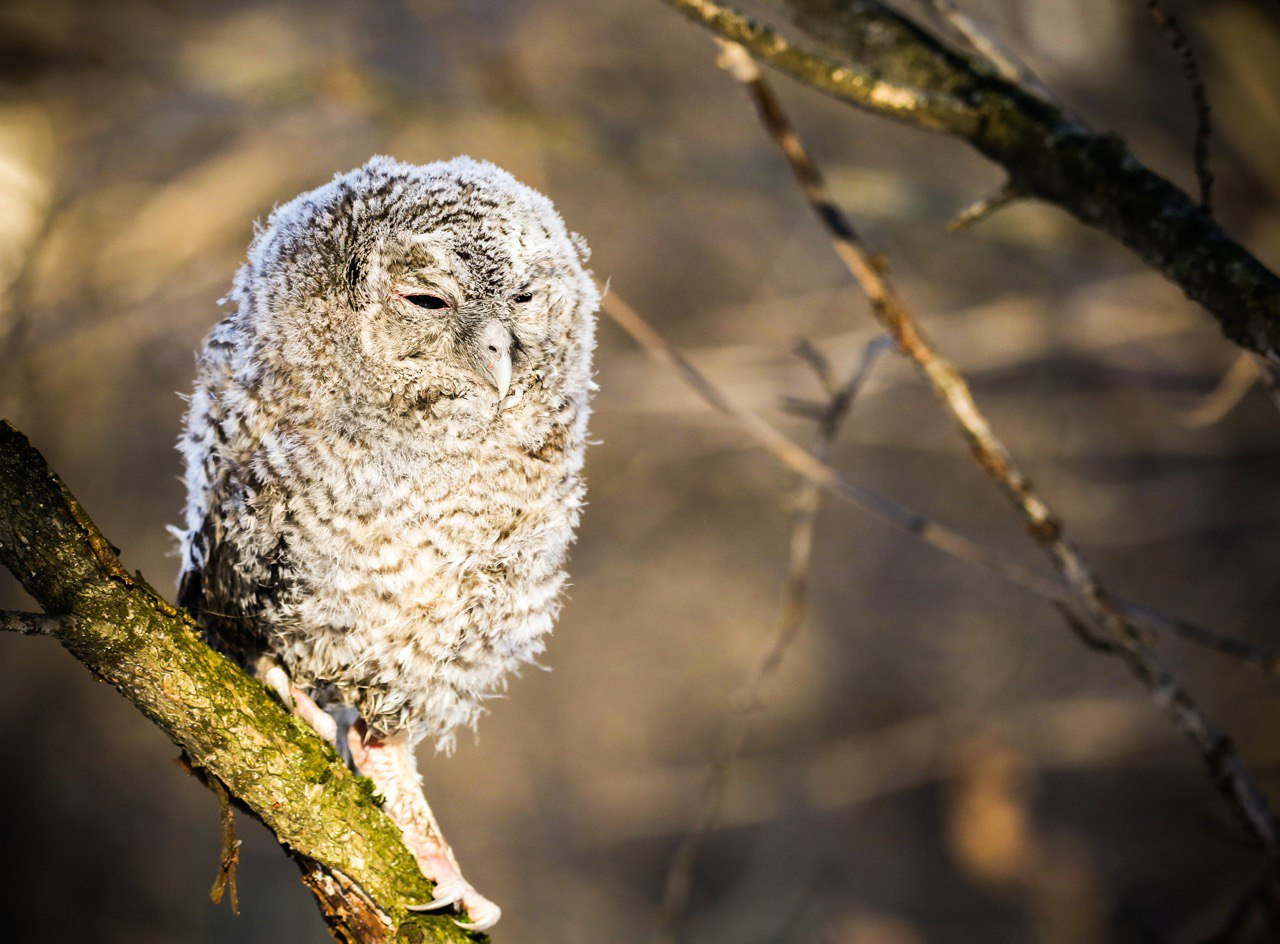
(30, 624)
(1095, 615)
(892, 67)
(1199, 98)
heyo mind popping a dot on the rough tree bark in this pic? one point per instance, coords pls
(892, 67)
(233, 732)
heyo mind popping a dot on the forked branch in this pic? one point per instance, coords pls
(887, 64)
(1090, 603)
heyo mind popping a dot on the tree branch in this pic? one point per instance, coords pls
(31, 624)
(896, 69)
(233, 732)
(1177, 37)
(934, 533)
(990, 49)
(1092, 604)
(795, 600)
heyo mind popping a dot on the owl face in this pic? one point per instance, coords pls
(466, 315)
(443, 282)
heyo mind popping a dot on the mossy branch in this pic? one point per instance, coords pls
(233, 732)
(884, 63)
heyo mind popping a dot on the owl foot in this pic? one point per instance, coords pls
(301, 704)
(390, 764)
(306, 709)
(277, 679)
(483, 913)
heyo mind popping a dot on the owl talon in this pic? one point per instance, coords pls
(277, 679)
(483, 913)
(319, 719)
(436, 904)
(300, 703)
(389, 763)
(446, 893)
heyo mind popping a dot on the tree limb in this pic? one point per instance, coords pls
(934, 533)
(30, 624)
(1094, 613)
(829, 417)
(232, 731)
(896, 69)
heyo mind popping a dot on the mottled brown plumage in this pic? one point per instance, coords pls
(384, 448)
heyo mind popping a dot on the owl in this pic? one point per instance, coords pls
(383, 456)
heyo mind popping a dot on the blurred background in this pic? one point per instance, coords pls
(937, 759)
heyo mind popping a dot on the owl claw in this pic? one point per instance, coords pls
(300, 703)
(319, 719)
(389, 763)
(483, 913)
(277, 680)
(446, 894)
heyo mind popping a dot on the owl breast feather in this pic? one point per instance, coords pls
(410, 580)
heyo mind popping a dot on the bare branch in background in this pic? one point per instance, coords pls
(979, 210)
(1219, 402)
(812, 468)
(885, 509)
(808, 497)
(1199, 98)
(30, 624)
(896, 69)
(1260, 657)
(991, 49)
(1091, 600)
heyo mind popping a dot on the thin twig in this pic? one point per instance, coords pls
(1218, 403)
(1258, 656)
(30, 624)
(747, 699)
(1084, 632)
(979, 210)
(896, 69)
(1090, 599)
(1199, 98)
(992, 50)
(229, 857)
(805, 463)
(225, 881)
(937, 535)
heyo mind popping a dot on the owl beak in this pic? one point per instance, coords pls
(494, 344)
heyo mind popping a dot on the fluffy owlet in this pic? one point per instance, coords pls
(383, 459)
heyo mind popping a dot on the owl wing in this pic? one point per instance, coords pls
(210, 584)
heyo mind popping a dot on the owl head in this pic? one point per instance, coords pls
(450, 280)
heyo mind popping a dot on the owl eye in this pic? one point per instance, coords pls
(522, 298)
(426, 301)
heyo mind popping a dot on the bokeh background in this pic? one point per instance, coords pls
(938, 759)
